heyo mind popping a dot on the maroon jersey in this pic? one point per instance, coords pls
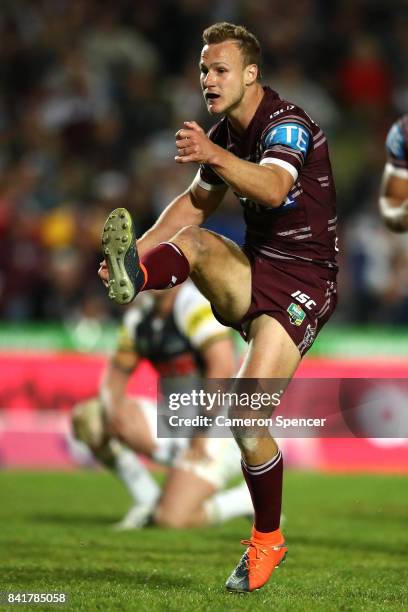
(303, 228)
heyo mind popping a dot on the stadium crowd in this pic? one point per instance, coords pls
(91, 94)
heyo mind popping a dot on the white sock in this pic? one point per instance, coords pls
(229, 504)
(137, 479)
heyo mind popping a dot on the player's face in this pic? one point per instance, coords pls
(222, 76)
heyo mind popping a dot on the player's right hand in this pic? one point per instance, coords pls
(103, 273)
(193, 145)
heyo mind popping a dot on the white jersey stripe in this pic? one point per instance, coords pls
(294, 231)
(318, 144)
(303, 236)
(279, 255)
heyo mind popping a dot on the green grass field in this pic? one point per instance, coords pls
(347, 536)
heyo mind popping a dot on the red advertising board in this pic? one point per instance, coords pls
(37, 392)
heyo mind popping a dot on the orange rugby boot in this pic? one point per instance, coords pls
(265, 552)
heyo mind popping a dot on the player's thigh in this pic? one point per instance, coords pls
(270, 363)
(183, 494)
(220, 270)
(271, 351)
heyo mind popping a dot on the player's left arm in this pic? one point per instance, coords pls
(268, 184)
(393, 201)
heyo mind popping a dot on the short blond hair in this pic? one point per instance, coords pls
(248, 43)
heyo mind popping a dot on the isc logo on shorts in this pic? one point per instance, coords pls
(303, 298)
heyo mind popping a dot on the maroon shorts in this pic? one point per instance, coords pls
(300, 296)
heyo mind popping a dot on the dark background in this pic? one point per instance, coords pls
(91, 94)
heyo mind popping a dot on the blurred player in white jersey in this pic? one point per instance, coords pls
(177, 332)
(394, 187)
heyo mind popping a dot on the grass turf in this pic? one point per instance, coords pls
(347, 536)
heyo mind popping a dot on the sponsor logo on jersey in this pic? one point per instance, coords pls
(292, 135)
(296, 314)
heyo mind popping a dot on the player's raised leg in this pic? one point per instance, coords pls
(193, 251)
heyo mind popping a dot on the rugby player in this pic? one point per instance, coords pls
(280, 288)
(393, 200)
(177, 332)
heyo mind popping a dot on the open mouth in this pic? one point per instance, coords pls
(211, 96)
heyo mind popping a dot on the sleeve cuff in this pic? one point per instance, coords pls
(207, 186)
(283, 164)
